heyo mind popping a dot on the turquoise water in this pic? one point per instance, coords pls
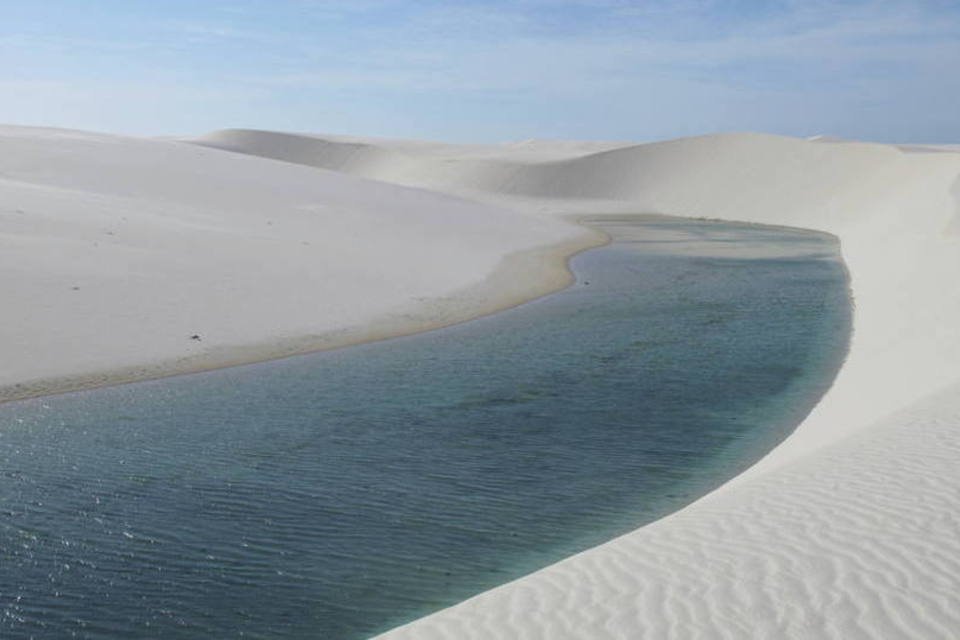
(342, 493)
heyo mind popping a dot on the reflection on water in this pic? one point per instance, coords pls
(338, 494)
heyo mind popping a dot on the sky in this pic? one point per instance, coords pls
(484, 71)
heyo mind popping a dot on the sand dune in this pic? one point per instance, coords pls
(116, 251)
(848, 529)
(772, 179)
(525, 168)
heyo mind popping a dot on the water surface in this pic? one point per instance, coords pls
(339, 494)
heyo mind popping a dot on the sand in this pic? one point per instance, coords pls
(118, 250)
(849, 528)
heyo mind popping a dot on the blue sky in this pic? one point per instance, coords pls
(486, 71)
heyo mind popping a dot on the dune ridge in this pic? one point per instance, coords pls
(848, 528)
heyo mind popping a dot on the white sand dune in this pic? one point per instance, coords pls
(116, 251)
(518, 168)
(850, 528)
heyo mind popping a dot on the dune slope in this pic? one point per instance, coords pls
(127, 258)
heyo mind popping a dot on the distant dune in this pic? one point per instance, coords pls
(127, 258)
(849, 528)
(730, 175)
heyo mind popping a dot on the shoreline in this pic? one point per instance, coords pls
(866, 484)
(523, 380)
(545, 270)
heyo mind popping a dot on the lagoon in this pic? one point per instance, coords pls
(340, 494)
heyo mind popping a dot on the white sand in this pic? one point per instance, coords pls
(115, 251)
(850, 528)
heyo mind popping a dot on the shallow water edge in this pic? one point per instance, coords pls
(520, 277)
(343, 493)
